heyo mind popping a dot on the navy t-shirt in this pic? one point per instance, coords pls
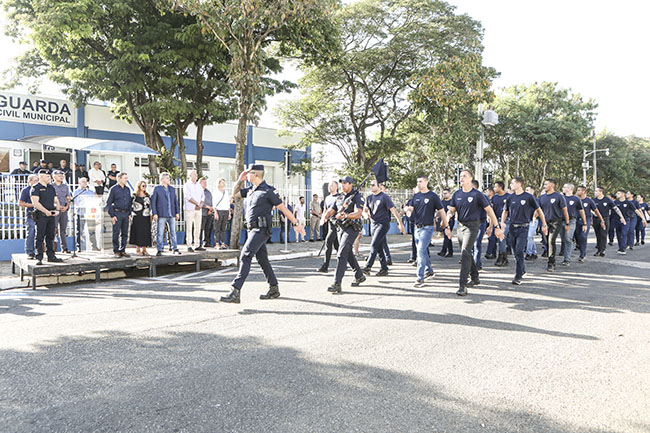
(634, 203)
(379, 206)
(626, 208)
(644, 207)
(45, 195)
(604, 205)
(552, 205)
(498, 202)
(521, 207)
(25, 196)
(425, 206)
(357, 201)
(469, 205)
(588, 205)
(573, 206)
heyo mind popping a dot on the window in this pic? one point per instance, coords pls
(205, 166)
(141, 161)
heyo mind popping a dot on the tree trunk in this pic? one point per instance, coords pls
(180, 139)
(240, 141)
(199, 146)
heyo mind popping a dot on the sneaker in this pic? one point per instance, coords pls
(414, 264)
(190, 250)
(636, 244)
(176, 252)
(322, 269)
(429, 274)
(550, 268)
(581, 260)
(533, 256)
(602, 254)
(622, 252)
(610, 243)
(565, 263)
(473, 283)
(418, 283)
(490, 256)
(389, 262)
(527, 257)
(334, 288)
(357, 281)
(410, 261)
(516, 281)
(597, 253)
(366, 271)
(630, 248)
(382, 273)
(462, 291)
(159, 254)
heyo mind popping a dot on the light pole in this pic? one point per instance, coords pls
(585, 164)
(488, 118)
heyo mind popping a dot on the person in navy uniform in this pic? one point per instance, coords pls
(346, 210)
(553, 205)
(521, 207)
(575, 211)
(607, 210)
(260, 199)
(622, 229)
(498, 202)
(25, 200)
(640, 228)
(46, 207)
(491, 250)
(379, 206)
(478, 246)
(331, 238)
(447, 243)
(637, 218)
(589, 206)
(119, 205)
(424, 206)
(467, 203)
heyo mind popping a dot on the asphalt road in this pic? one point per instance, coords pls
(564, 352)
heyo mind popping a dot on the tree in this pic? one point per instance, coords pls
(247, 29)
(358, 103)
(542, 129)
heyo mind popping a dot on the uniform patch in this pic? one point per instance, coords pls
(426, 200)
(552, 200)
(571, 202)
(470, 199)
(523, 202)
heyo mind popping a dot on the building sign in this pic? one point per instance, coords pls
(35, 109)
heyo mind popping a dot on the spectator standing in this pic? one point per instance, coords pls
(206, 216)
(42, 166)
(63, 193)
(165, 211)
(141, 223)
(112, 176)
(193, 202)
(314, 222)
(67, 173)
(97, 178)
(299, 214)
(221, 212)
(81, 172)
(21, 172)
(35, 167)
(26, 202)
(120, 206)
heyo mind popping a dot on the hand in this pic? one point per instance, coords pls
(448, 232)
(584, 228)
(114, 220)
(545, 229)
(401, 228)
(197, 207)
(623, 221)
(602, 225)
(177, 217)
(300, 229)
(341, 216)
(499, 233)
(242, 176)
(216, 215)
(55, 213)
(566, 228)
(130, 218)
(155, 218)
(488, 232)
(644, 223)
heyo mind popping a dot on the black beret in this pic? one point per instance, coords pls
(258, 167)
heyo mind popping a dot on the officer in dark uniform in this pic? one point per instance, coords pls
(46, 207)
(260, 200)
(331, 239)
(348, 209)
(520, 207)
(553, 205)
(607, 210)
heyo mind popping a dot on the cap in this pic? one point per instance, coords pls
(44, 171)
(22, 163)
(57, 172)
(346, 179)
(258, 167)
(42, 161)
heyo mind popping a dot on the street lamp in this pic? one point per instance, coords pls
(585, 164)
(488, 118)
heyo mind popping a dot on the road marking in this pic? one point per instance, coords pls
(640, 265)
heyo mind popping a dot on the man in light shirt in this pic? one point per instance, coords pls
(97, 178)
(194, 199)
(299, 213)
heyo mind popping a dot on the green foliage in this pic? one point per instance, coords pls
(626, 167)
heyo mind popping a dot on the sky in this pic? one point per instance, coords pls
(597, 48)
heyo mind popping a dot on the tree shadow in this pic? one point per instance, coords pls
(200, 382)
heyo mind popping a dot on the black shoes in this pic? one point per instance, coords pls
(389, 262)
(490, 256)
(334, 288)
(190, 250)
(200, 249)
(550, 267)
(366, 271)
(31, 257)
(40, 262)
(176, 252)
(233, 298)
(516, 281)
(273, 293)
(322, 269)
(159, 254)
(545, 254)
(442, 254)
(55, 260)
(462, 291)
(597, 253)
(610, 243)
(449, 255)
(382, 273)
(502, 261)
(358, 281)
(473, 283)
(430, 274)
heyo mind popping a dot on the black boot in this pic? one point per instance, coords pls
(358, 281)
(500, 260)
(334, 288)
(272, 293)
(233, 298)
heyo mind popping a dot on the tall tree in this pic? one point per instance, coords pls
(247, 29)
(358, 103)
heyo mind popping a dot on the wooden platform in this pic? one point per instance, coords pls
(101, 261)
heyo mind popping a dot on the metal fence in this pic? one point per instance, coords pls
(13, 217)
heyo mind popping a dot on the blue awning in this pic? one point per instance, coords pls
(90, 144)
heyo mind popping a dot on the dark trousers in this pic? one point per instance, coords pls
(45, 230)
(346, 254)
(467, 234)
(601, 234)
(555, 228)
(331, 244)
(377, 244)
(220, 227)
(622, 231)
(630, 230)
(640, 230)
(519, 239)
(614, 220)
(206, 230)
(120, 232)
(478, 247)
(255, 246)
(386, 249)
(582, 238)
(492, 245)
(447, 243)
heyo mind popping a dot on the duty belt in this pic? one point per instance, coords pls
(520, 225)
(422, 225)
(121, 210)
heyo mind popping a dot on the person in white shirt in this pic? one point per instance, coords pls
(194, 199)
(221, 203)
(299, 213)
(97, 178)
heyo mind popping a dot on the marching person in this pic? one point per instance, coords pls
(468, 202)
(589, 206)
(553, 206)
(25, 201)
(424, 206)
(64, 195)
(478, 246)
(498, 202)
(531, 249)
(331, 239)
(194, 198)
(346, 210)
(447, 243)
(260, 200)
(120, 206)
(622, 229)
(575, 210)
(637, 218)
(640, 228)
(491, 250)
(46, 207)
(389, 260)
(608, 211)
(314, 220)
(521, 207)
(165, 210)
(379, 206)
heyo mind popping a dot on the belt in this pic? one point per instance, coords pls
(520, 225)
(470, 222)
(422, 225)
(571, 219)
(121, 210)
